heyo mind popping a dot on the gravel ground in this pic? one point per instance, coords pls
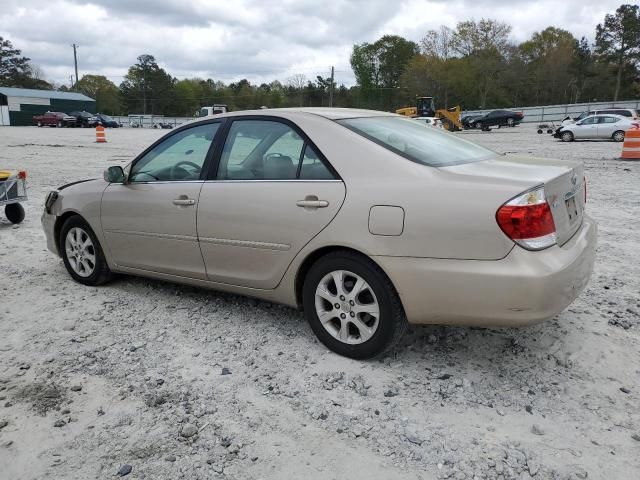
(160, 381)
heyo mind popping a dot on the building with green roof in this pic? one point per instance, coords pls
(19, 105)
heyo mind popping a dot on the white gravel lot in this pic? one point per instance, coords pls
(131, 372)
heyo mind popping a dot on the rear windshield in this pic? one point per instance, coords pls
(417, 142)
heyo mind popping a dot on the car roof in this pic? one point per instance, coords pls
(606, 115)
(330, 113)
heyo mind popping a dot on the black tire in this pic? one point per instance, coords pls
(486, 129)
(618, 136)
(39, 124)
(567, 137)
(59, 125)
(539, 130)
(392, 322)
(511, 122)
(14, 212)
(550, 131)
(101, 273)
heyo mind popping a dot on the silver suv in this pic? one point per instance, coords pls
(625, 112)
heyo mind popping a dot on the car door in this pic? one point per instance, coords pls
(607, 125)
(271, 193)
(587, 128)
(149, 222)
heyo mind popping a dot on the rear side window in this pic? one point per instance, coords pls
(268, 150)
(428, 146)
(607, 119)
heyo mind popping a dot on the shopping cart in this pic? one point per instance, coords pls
(13, 190)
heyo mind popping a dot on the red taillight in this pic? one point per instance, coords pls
(528, 221)
(22, 174)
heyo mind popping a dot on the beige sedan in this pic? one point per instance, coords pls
(366, 220)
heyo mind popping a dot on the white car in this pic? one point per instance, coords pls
(625, 112)
(605, 127)
(431, 121)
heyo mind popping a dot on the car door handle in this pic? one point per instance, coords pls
(184, 200)
(309, 203)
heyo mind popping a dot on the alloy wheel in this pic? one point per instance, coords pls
(347, 307)
(80, 251)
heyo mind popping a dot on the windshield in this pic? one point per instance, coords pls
(418, 142)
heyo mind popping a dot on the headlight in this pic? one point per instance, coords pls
(52, 196)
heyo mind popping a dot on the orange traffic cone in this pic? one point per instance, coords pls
(631, 145)
(100, 136)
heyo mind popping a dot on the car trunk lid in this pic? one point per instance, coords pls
(563, 184)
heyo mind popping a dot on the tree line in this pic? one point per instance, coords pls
(475, 65)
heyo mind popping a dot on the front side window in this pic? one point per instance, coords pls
(589, 121)
(264, 150)
(178, 158)
(428, 146)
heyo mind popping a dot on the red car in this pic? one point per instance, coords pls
(54, 119)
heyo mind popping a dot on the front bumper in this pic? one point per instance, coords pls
(524, 287)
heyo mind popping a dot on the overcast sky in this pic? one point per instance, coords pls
(261, 40)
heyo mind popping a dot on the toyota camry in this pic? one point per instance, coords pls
(366, 220)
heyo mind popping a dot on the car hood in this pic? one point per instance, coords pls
(77, 182)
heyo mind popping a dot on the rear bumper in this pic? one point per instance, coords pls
(524, 287)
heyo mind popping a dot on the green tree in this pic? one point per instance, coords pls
(483, 44)
(581, 68)
(378, 68)
(148, 87)
(618, 40)
(103, 91)
(547, 58)
(17, 71)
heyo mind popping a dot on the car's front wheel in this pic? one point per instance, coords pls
(81, 252)
(352, 306)
(59, 125)
(567, 136)
(618, 136)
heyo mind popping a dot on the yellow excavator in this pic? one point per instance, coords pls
(450, 117)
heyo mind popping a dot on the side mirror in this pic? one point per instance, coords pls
(114, 175)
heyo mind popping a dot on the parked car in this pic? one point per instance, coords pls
(605, 127)
(497, 118)
(431, 121)
(366, 220)
(54, 119)
(625, 112)
(468, 120)
(85, 119)
(163, 125)
(107, 121)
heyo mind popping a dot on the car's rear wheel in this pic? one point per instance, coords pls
(81, 252)
(352, 306)
(14, 212)
(567, 137)
(618, 136)
(59, 124)
(39, 124)
(510, 122)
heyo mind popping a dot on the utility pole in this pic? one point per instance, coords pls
(144, 94)
(331, 89)
(71, 81)
(75, 60)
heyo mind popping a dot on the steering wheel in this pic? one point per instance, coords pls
(174, 168)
